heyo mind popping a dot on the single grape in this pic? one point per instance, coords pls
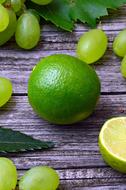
(2, 1)
(92, 46)
(8, 174)
(39, 178)
(119, 44)
(5, 91)
(28, 31)
(4, 18)
(42, 2)
(16, 5)
(123, 67)
(10, 30)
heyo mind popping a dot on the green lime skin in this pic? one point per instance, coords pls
(63, 89)
(114, 162)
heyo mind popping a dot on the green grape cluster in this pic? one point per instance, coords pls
(37, 178)
(16, 19)
(93, 44)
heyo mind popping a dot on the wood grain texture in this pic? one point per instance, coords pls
(71, 141)
(76, 155)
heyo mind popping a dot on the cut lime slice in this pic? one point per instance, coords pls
(112, 143)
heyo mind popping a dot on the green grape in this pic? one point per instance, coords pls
(119, 44)
(4, 18)
(39, 178)
(28, 31)
(10, 30)
(42, 2)
(5, 91)
(92, 46)
(123, 67)
(22, 10)
(35, 13)
(16, 5)
(2, 1)
(8, 174)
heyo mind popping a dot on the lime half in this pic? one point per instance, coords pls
(112, 143)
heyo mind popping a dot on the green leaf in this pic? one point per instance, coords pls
(64, 13)
(14, 141)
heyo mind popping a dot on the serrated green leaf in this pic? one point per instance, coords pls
(14, 141)
(63, 13)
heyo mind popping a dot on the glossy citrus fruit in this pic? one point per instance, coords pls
(112, 143)
(63, 90)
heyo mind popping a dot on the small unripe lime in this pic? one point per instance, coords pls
(63, 90)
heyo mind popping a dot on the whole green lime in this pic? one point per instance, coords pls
(63, 90)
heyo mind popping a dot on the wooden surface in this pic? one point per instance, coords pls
(76, 156)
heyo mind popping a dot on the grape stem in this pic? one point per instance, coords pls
(100, 25)
(7, 5)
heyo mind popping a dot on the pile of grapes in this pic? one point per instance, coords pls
(37, 178)
(16, 19)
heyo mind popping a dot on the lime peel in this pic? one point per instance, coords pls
(111, 158)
